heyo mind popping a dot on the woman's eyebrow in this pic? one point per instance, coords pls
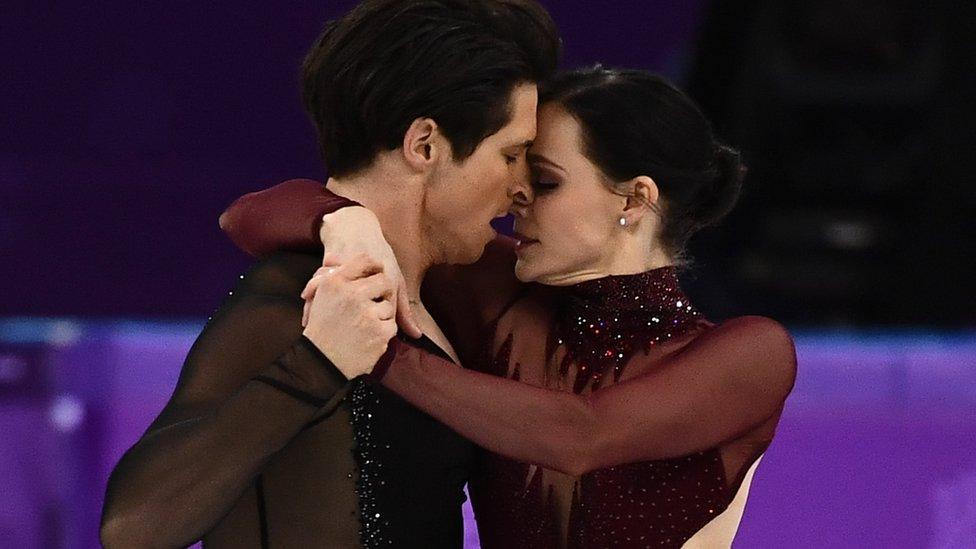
(535, 157)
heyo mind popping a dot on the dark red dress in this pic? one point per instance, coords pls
(612, 414)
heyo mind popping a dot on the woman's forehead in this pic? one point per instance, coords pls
(558, 133)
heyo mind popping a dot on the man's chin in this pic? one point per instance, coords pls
(469, 254)
(489, 235)
(483, 245)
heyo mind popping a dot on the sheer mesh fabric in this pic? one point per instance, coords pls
(646, 460)
(265, 443)
(646, 451)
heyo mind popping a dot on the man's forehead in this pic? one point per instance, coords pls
(520, 131)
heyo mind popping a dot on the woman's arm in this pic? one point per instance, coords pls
(289, 216)
(726, 382)
(284, 217)
(249, 384)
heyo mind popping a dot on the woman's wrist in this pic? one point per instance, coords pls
(335, 227)
(333, 205)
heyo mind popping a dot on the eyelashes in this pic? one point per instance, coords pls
(543, 186)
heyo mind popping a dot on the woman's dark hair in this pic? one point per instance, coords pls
(635, 123)
(386, 63)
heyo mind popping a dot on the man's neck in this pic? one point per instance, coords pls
(398, 208)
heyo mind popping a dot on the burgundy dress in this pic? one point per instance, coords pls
(611, 413)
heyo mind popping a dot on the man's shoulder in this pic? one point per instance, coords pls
(281, 273)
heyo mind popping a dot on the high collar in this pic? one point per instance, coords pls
(657, 291)
(603, 322)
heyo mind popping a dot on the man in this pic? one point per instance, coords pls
(424, 110)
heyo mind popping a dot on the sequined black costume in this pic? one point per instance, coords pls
(265, 443)
(627, 419)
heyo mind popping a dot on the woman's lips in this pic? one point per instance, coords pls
(523, 241)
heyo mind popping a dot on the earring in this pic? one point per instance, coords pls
(623, 221)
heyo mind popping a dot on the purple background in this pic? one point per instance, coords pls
(126, 128)
(875, 448)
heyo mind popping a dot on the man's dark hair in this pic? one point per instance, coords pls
(386, 63)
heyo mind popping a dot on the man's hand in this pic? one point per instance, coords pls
(354, 230)
(350, 318)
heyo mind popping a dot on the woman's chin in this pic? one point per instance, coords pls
(523, 271)
(527, 270)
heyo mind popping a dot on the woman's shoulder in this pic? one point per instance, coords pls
(753, 326)
(757, 339)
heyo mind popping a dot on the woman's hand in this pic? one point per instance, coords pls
(356, 230)
(350, 313)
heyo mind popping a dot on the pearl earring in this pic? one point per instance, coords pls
(623, 221)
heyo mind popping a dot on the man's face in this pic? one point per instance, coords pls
(464, 197)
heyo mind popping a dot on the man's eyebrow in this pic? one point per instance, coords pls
(525, 144)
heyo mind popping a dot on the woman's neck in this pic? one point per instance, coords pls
(630, 256)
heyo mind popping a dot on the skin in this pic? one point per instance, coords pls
(452, 203)
(462, 199)
(568, 223)
(455, 201)
(359, 293)
(572, 232)
(357, 301)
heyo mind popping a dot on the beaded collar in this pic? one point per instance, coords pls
(603, 322)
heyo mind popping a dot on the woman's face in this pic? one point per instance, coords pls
(571, 230)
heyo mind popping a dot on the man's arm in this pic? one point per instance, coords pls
(289, 216)
(248, 386)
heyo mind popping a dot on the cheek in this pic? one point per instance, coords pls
(480, 195)
(574, 234)
(470, 192)
(500, 178)
(488, 184)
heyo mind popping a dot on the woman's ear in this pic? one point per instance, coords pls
(643, 199)
(422, 144)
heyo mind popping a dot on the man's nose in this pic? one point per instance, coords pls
(520, 205)
(521, 192)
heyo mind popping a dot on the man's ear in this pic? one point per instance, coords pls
(422, 144)
(644, 200)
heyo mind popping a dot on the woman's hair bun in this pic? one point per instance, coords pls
(717, 198)
(636, 123)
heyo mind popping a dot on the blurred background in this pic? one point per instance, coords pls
(126, 129)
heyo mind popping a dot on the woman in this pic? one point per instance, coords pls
(612, 412)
